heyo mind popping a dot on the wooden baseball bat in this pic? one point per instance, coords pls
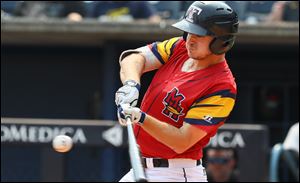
(134, 154)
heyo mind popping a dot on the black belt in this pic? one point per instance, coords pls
(162, 162)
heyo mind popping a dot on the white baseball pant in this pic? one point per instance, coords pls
(178, 170)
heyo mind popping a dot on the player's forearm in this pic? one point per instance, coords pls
(167, 134)
(132, 67)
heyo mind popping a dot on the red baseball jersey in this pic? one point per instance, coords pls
(203, 98)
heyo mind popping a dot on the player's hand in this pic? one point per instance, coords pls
(128, 94)
(136, 115)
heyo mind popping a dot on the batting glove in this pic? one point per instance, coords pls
(135, 114)
(128, 94)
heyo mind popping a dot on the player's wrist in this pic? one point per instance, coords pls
(133, 83)
(142, 118)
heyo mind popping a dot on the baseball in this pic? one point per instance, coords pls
(62, 143)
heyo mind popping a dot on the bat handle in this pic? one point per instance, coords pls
(134, 154)
(128, 119)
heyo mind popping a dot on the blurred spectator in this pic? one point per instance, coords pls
(72, 10)
(257, 11)
(221, 165)
(168, 9)
(35, 9)
(8, 7)
(284, 11)
(123, 10)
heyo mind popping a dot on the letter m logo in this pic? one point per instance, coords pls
(172, 103)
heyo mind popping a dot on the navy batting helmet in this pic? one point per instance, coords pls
(212, 18)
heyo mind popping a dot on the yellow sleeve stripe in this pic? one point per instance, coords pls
(198, 113)
(221, 93)
(164, 49)
(213, 111)
(215, 100)
(169, 46)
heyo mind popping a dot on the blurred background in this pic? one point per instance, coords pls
(60, 71)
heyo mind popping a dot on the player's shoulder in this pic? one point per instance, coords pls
(223, 85)
(178, 41)
(164, 50)
(178, 44)
(174, 41)
(225, 78)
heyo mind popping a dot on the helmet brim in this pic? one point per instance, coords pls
(190, 28)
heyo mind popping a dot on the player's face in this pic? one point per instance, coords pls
(198, 46)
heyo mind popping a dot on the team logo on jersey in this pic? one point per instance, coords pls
(191, 12)
(172, 103)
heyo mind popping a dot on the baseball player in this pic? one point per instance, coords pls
(189, 98)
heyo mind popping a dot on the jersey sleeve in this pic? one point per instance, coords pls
(211, 111)
(155, 54)
(163, 50)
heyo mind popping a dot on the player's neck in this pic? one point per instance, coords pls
(198, 64)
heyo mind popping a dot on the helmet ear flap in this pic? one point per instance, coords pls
(220, 45)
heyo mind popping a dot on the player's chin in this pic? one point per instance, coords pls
(191, 54)
(199, 56)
